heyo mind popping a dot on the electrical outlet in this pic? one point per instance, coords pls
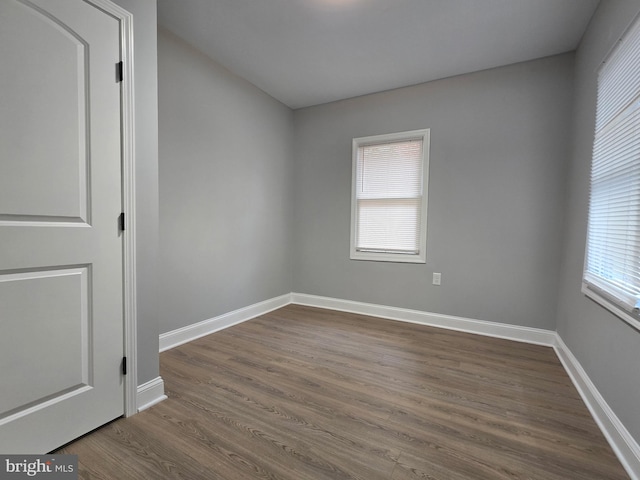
(437, 278)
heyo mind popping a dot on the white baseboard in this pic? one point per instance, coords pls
(191, 332)
(621, 441)
(480, 327)
(150, 393)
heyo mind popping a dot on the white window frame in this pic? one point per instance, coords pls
(603, 291)
(420, 257)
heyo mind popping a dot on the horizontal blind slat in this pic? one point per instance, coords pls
(389, 196)
(613, 238)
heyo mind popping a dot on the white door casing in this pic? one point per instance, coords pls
(66, 318)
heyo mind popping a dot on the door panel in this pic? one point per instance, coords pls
(44, 175)
(61, 300)
(60, 297)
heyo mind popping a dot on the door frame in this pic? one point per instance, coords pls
(127, 115)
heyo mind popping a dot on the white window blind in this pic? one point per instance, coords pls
(612, 265)
(389, 197)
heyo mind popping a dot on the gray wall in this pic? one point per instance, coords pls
(607, 348)
(499, 142)
(226, 189)
(146, 124)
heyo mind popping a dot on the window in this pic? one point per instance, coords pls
(389, 197)
(612, 264)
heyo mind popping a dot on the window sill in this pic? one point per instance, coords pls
(612, 307)
(387, 257)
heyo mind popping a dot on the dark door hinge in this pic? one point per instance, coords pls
(121, 222)
(124, 365)
(119, 72)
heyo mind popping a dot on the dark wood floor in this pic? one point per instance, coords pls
(304, 393)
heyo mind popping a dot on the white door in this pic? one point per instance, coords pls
(61, 274)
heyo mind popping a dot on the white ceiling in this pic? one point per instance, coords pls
(307, 52)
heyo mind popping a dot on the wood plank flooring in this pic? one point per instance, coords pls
(304, 393)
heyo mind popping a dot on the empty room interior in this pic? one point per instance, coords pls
(274, 339)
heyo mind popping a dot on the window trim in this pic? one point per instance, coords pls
(421, 257)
